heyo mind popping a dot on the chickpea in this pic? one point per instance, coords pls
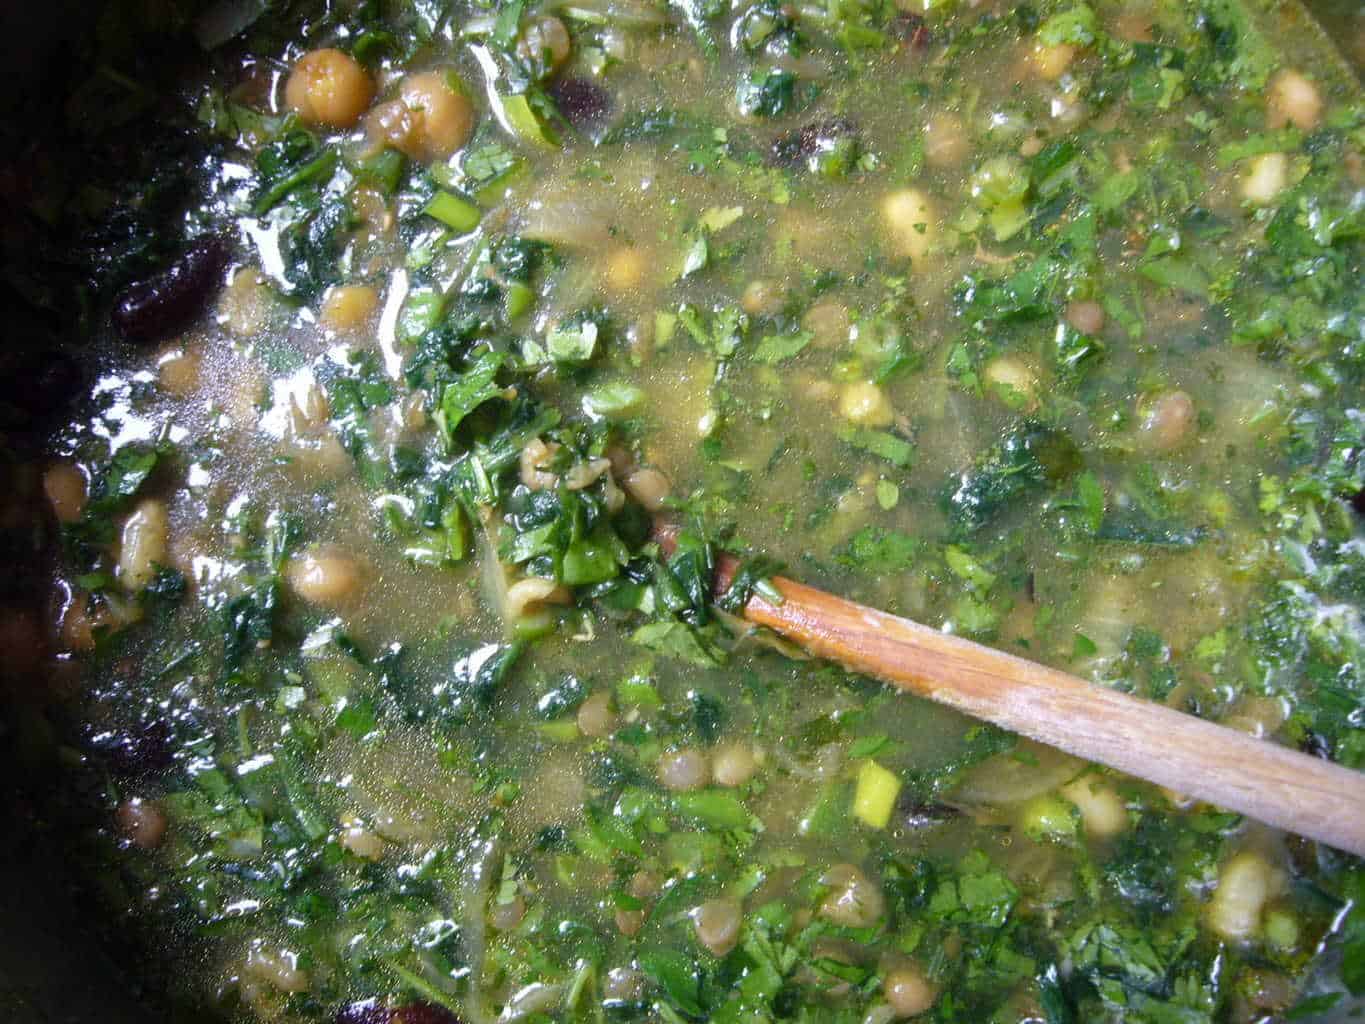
(1265, 178)
(1087, 317)
(142, 822)
(649, 487)
(1051, 62)
(545, 43)
(536, 457)
(64, 485)
(733, 764)
(908, 991)
(1013, 381)
(359, 840)
(318, 456)
(716, 923)
(854, 900)
(350, 308)
(818, 389)
(627, 268)
(1135, 26)
(1291, 98)
(685, 769)
(245, 304)
(595, 715)
(865, 404)
(584, 474)
(1102, 810)
(529, 596)
(278, 970)
(1245, 883)
(644, 885)
(829, 322)
(1169, 420)
(328, 88)
(179, 371)
(323, 577)
(945, 141)
(79, 622)
(446, 114)
(909, 218)
(629, 922)
(146, 537)
(429, 120)
(506, 916)
(762, 297)
(615, 498)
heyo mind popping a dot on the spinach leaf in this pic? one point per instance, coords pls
(1031, 455)
(122, 478)
(311, 247)
(977, 895)
(873, 547)
(778, 348)
(466, 393)
(248, 626)
(679, 640)
(293, 161)
(883, 444)
(474, 680)
(678, 976)
(766, 93)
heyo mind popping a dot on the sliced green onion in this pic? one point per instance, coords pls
(525, 123)
(518, 298)
(455, 213)
(875, 796)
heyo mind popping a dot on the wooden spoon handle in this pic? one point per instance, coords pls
(1230, 769)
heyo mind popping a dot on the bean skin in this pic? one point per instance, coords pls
(370, 1011)
(159, 306)
(367, 1011)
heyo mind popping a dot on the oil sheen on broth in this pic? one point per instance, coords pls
(1040, 323)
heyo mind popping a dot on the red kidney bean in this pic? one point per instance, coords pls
(915, 816)
(368, 1011)
(424, 1013)
(795, 147)
(157, 307)
(140, 751)
(583, 103)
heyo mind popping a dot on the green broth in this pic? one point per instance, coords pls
(1037, 324)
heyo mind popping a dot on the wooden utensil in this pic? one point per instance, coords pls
(1230, 769)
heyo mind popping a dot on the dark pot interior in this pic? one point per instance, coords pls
(60, 957)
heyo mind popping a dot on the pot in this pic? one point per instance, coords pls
(61, 958)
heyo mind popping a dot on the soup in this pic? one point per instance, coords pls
(1040, 324)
